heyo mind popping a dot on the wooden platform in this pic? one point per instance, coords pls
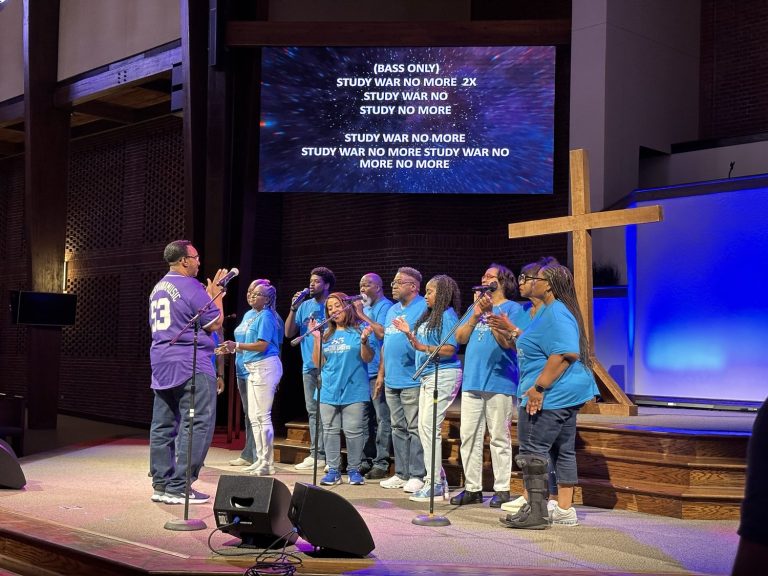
(688, 473)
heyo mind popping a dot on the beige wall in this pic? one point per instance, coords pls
(94, 33)
(11, 51)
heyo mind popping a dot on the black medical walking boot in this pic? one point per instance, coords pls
(534, 515)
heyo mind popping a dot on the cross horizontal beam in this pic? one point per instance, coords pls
(590, 221)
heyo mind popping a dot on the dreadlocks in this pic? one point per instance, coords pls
(447, 295)
(561, 283)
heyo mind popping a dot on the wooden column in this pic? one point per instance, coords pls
(194, 63)
(46, 168)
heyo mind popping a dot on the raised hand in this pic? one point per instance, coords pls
(401, 324)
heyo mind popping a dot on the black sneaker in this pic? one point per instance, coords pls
(377, 473)
(195, 497)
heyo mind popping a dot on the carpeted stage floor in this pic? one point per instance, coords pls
(97, 494)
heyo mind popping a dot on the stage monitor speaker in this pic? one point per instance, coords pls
(260, 505)
(11, 474)
(326, 520)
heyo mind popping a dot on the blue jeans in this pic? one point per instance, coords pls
(348, 417)
(404, 409)
(170, 416)
(379, 428)
(249, 449)
(310, 386)
(551, 434)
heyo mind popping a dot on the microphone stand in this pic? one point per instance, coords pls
(187, 523)
(430, 519)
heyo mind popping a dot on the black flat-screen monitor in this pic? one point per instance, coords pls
(43, 308)
(414, 120)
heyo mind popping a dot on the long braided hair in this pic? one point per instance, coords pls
(561, 283)
(447, 295)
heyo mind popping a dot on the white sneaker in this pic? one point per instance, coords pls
(562, 517)
(413, 485)
(513, 506)
(308, 463)
(263, 471)
(252, 467)
(240, 461)
(393, 482)
(551, 505)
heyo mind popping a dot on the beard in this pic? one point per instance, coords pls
(366, 300)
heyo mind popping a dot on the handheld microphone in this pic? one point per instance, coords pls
(353, 298)
(228, 277)
(482, 289)
(300, 297)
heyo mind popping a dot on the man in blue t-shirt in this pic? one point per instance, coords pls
(321, 282)
(173, 302)
(373, 309)
(396, 369)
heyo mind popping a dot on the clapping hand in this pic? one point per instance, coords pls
(401, 324)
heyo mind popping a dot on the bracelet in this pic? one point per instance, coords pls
(294, 308)
(237, 345)
(219, 376)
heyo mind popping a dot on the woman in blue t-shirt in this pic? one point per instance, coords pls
(443, 299)
(257, 345)
(555, 381)
(488, 388)
(345, 390)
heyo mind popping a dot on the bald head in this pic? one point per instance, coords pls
(371, 288)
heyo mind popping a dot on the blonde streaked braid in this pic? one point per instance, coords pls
(561, 283)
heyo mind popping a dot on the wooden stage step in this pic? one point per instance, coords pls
(687, 474)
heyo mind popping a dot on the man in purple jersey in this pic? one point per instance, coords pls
(173, 302)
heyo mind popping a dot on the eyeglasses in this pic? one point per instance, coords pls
(523, 278)
(260, 294)
(401, 282)
(196, 256)
(489, 277)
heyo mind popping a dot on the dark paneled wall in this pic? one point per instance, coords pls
(734, 68)
(125, 202)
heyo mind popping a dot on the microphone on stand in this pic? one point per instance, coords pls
(228, 277)
(352, 298)
(489, 288)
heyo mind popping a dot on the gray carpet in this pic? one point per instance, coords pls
(104, 488)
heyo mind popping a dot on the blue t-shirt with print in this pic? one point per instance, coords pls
(399, 355)
(433, 338)
(377, 313)
(487, 366)
(239, 335)
(309, 309)
(266, 327)
(344, 374)
(554, 331)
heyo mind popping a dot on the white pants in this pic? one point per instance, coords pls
(448, 384)
(263, 378)
(478, 410)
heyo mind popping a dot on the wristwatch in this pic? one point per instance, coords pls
(540, 389)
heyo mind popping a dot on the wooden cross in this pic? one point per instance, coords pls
(579, 224)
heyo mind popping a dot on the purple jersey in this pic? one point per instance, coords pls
(173, 302)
